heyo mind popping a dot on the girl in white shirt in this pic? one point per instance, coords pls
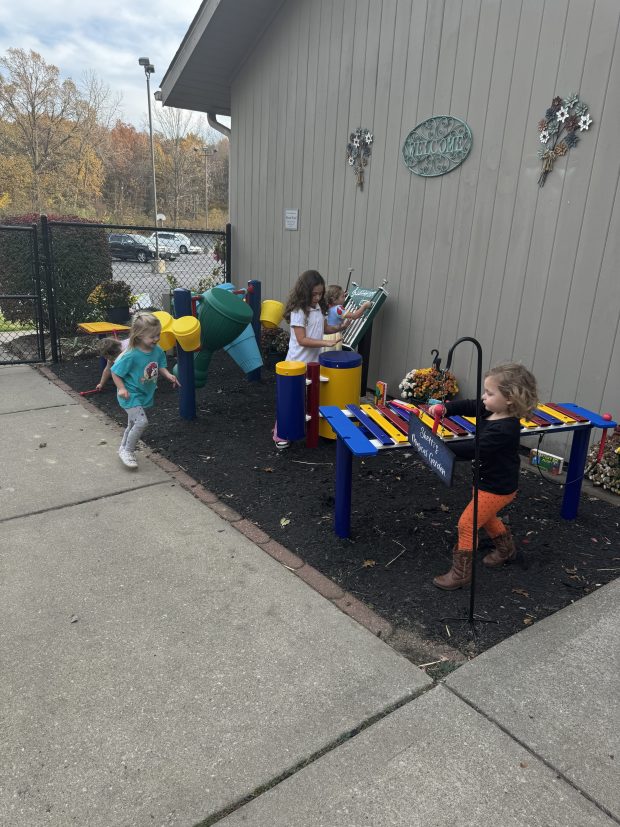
(305, 312)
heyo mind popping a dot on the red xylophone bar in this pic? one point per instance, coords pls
(538, 420)
(394, 419)
(566, 412)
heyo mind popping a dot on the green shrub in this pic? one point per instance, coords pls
(110, 294)
(81, 260)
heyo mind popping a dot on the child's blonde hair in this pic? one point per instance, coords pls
(332, 294)
(109, 348)
(518, 385)
(141, 325)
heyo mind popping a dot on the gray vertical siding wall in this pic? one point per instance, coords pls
(483, 251)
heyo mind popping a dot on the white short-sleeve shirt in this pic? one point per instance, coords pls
(314, 322)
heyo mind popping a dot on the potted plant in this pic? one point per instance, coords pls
(112, 299)
(423, 384)
(274, 343)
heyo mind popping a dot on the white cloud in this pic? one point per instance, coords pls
(79, 36)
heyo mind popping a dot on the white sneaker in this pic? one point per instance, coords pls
(127, 458)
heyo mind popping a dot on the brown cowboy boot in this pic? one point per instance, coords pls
(460, 573)
(503, 552)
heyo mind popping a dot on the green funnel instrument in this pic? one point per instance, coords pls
(222, 316)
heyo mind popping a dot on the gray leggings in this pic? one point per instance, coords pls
(136, 423)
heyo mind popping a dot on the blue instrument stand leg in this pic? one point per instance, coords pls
(574, 473)
(254, 300)
(185, 361)
(344, 465)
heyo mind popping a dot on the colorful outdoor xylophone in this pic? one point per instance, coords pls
(364, 430)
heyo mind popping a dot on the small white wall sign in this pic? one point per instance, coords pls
(291, 219)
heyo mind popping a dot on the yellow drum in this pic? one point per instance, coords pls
(343, 368)
(271, 313)
(166, 340)
(187, 332)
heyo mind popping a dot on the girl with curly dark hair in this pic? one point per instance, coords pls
(305, 312)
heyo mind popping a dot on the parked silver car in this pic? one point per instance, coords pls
(166, 249)
(179, 242)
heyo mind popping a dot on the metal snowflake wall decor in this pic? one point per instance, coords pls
(558, 131)
(358, 152)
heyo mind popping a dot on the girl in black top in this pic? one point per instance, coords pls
(509, 394)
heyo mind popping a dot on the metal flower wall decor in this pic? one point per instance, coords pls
(558, 131)
(358, 152)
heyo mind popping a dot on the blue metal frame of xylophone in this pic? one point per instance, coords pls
(367, 439)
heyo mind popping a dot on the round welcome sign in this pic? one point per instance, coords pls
(437, 145)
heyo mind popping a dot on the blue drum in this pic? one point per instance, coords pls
(291, 400)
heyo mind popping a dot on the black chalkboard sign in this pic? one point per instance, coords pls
(432, 450)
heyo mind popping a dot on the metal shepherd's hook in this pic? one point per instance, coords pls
(476, 343)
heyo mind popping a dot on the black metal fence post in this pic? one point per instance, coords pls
(49, 286)
(37, 293)
(228, 273)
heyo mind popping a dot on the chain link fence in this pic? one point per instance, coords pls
(24, 317)
(141, 262)
(70, 272)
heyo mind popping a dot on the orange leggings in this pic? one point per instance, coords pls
(488, 507)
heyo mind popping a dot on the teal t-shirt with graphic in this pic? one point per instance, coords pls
(139, 372)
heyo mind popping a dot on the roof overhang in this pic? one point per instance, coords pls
(216, 45)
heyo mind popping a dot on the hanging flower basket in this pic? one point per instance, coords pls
(423, 384)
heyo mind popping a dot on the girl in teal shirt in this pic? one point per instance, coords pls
(135, 375)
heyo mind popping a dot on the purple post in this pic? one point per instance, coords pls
(185, 361)
(254, 300)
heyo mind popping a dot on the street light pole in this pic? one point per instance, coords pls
(206, 151)
(148, 71)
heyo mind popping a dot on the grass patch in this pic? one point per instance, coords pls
(10, 327)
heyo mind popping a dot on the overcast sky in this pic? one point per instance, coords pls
(106, 37)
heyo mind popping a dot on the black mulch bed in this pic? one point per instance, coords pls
(403, 522)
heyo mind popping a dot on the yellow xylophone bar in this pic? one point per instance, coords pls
(387, 426)
(444, 433)
(556, 414)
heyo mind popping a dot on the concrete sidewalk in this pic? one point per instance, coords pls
(161, 667)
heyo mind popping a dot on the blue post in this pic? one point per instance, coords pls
(574, 472)
(344, 476)
(254, 300)
(185, 361)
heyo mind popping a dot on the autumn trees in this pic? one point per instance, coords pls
(50, 132)
(63, 150)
